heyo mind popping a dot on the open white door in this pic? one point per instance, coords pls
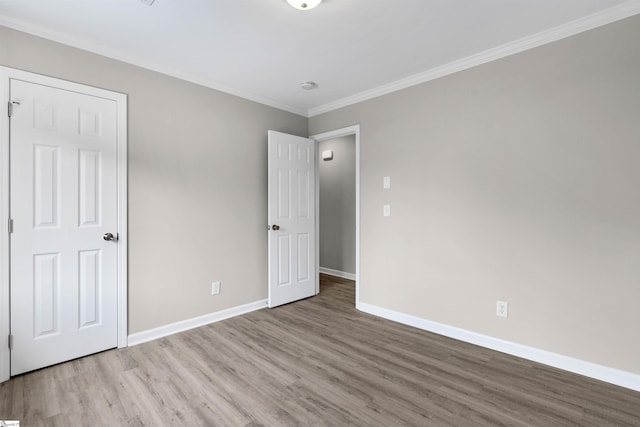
(64, 256)
(292, 228)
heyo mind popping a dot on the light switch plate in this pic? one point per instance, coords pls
(386, 182)
(386, 210)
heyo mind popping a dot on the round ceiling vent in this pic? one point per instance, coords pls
(308, 85)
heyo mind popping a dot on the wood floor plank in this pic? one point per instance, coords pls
(316, 362)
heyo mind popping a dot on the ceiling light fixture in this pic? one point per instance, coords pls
(304, 4)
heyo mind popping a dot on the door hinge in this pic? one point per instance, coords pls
(10, 226)
(10, 106)
(10, 342)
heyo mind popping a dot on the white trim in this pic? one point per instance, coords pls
(121, 105)
(317, 213)
(196, 322)
(123, 209)
(577, 26)
(98, 49)
(589, 369)
(5, 354)
(598, 19)
(351, 130)
(337, 273)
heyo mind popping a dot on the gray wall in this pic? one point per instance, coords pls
(197, 182)
(338, 205)
(517, 180)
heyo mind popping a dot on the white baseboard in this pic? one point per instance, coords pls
(337, 273)
(184, 325)
(588, 369)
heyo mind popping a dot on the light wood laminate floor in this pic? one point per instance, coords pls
(311, 363)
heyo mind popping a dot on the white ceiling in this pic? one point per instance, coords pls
(353, 49)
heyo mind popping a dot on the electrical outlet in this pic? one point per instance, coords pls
(502, 309)
(215, 288)
(386, 210)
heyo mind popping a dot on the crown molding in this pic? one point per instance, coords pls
(607, 16)
(616, 13)
(98, 49)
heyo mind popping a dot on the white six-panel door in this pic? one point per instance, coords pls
(292, 244)
(63, 201)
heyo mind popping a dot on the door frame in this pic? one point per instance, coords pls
(325, 136)
(6, 74)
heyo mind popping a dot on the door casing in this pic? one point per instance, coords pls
(121, 101)
(325, 136)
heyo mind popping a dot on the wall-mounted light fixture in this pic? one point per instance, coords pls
(327, 155)
(304, 4)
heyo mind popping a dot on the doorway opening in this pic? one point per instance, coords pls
(338, 204)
